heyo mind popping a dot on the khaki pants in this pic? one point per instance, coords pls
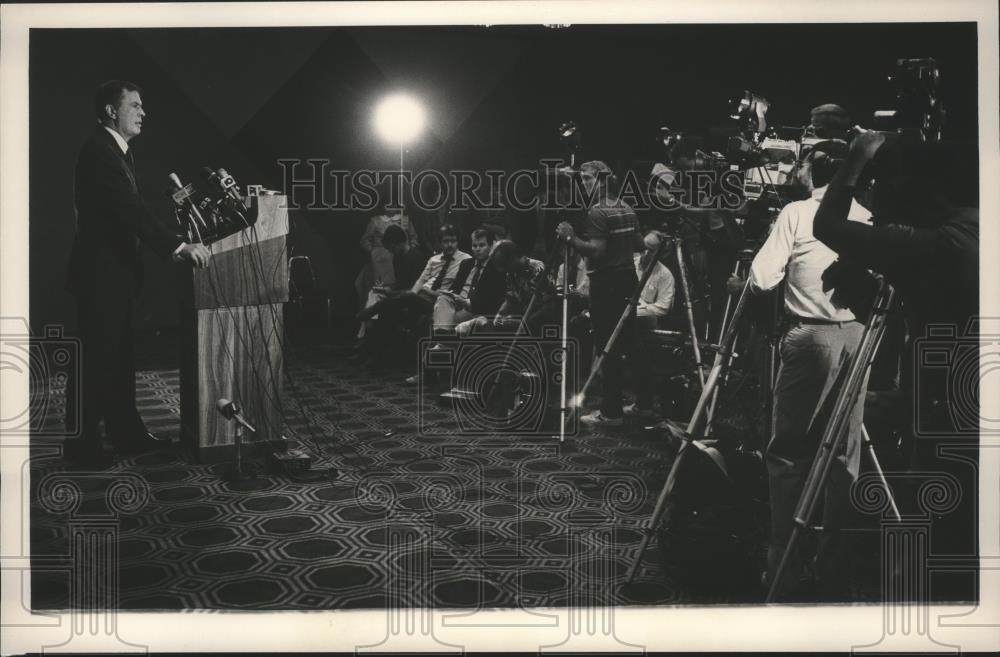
(447, 315)
(814, 359)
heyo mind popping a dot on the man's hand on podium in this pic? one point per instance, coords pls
(195, 254)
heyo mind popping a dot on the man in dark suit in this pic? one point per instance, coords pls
(478, 288)
(105, 273)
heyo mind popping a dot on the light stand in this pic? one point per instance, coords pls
(569, 135)
(399, 119)
(563, 407)
(402, 205)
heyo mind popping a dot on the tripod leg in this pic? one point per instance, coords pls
(613, 338)
(711, 412)
(785, 556)
(740, 269)
(837, 428)
(601, 356)
(682, 268)
(815, 483)
(692, 434)
(870, 450)
(715, 392)
(654, 521)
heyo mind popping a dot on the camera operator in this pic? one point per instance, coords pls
(611, 238)
(927, 246)
(708, 230)
(821, 338)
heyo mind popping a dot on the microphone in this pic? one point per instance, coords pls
(232, 411)
(182, 197)
(221, 179)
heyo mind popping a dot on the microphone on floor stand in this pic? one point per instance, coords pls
(231, 410)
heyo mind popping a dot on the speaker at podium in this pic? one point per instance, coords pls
(232, 335)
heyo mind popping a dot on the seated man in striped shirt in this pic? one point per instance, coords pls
(611, 237)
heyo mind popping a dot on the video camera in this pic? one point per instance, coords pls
(917, 110)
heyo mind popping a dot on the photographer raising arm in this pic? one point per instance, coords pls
(921, 239)
(927, 245)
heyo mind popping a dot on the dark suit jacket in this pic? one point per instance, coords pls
(408, 267)
(488, 295)
(111, 221)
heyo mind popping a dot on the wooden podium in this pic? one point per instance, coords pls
(232, 334)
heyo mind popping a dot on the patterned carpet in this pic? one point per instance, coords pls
(415, 518)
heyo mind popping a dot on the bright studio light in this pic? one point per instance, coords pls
(399, 118)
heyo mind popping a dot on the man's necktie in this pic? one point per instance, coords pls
(445, 262)
(135, 183)
(475, 278)
(131, 166)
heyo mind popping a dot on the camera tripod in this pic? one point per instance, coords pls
(833, 437)
(605, 350)
(836, 431)
(741, 270)
(695, 431)
(770, 338)
(689, 308)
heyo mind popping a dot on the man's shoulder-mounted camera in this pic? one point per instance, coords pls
(917, 107)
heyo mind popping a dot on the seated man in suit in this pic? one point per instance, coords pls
(521, 276)
(476, 290)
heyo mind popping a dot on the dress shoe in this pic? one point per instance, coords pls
(159, 440)
(147, 443)
(599, 419)
(633, 410)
